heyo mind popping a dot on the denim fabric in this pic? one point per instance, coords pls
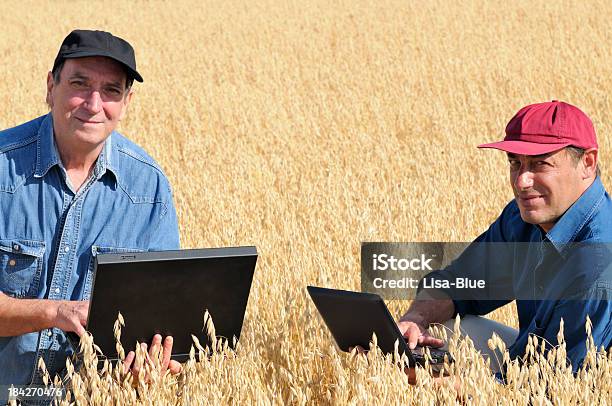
(49, 235)
(563, 274)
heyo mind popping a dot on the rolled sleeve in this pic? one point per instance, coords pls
(488, 258)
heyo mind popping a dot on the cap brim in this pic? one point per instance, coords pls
(524, 147)
(84, 54)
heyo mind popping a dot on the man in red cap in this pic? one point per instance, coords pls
(547, 250)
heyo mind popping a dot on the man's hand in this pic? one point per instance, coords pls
(416, 334)
(156, 346)
(71, 316)
(427, 308)
(22, 316)
(409, 371)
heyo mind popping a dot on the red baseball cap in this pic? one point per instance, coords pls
(546, 127)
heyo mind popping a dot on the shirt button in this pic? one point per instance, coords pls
(57, 290)
(50, 333)
(12, 262)
(16, 247)
(66, 249)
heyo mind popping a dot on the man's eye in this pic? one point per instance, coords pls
(113, 91)
(78, 84)
(514, 164)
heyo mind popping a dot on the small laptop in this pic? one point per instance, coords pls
(352, 317)
(167, 293)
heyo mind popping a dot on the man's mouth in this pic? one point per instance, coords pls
(530, 200)
(88, 121)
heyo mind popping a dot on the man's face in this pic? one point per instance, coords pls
(545, 186)
(89, 100)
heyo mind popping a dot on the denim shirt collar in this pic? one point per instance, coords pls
(47, 155)
(569, 225)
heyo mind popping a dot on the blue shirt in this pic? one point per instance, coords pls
(50, 235)
(563, 274)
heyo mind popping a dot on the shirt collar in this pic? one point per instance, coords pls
(572, 221)
(111, 151)
(47, 155)
(103, 162)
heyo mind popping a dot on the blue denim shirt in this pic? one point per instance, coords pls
(564, 274)
(49, 235)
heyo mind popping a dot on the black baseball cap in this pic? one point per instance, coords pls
(82, 43)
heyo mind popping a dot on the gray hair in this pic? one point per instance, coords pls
(56, 72)
(576, 154)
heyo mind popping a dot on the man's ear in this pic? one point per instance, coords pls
(50, 84)
(126, 102)
(589, 163)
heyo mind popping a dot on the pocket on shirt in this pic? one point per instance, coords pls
(95, 251)
(21, 263)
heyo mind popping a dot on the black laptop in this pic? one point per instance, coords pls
(352, 317)
(167, 293)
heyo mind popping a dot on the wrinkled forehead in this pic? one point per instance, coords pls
(95, 68)
(551, 155)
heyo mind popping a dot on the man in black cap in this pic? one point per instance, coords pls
(75, 188)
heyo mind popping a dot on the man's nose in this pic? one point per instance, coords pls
(93, 102)
(524, 180)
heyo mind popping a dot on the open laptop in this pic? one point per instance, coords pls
(352, 317)
(167, 293)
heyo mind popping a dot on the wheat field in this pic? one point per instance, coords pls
(305, 128)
